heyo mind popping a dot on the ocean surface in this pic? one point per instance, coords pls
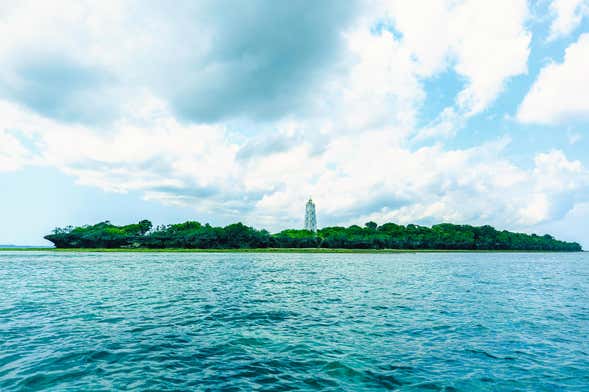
(277, 322)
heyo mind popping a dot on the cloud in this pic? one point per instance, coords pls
(485, 42)
(476, 186)
(59, 88)
(56, 62)
(243, 110)
(498, 27)
(559, 185)
(568, 14)
(267, 145)
(13, 155)
(356, 177)
(263, 60)
(217, 60)
(570, 226)
(561, 91)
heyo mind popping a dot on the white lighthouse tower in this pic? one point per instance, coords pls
(310, 218)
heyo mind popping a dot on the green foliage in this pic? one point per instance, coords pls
(371, 225)
(100, 235)
(295, 239)
(194, 235)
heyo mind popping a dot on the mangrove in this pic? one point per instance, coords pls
(194, 235)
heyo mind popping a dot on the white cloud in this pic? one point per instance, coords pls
(446, 124)
(559, 185)
(568, 14)
(492, 45)
(556, 173)
(381, 87)
(355, 177)
(484, 41)
(476, 185)
(571, 226)
(561, 91)
(349, 148)
(81, 61)
(13, 155)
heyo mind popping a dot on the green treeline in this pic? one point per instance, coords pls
(194, 235)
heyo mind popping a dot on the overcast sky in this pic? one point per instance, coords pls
(220, 111)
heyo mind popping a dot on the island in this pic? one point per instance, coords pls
(389, 236)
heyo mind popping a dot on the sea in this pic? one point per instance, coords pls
(294, 321)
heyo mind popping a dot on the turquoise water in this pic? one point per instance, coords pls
(136, 321)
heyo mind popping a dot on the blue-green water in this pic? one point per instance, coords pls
(136, 321)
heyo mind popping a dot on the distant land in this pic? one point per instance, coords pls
(371, 236)
(8, 246)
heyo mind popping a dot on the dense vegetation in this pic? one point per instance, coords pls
(194, 235)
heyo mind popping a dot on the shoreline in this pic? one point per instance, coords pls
(269, 250)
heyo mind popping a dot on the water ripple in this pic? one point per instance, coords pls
(241, 322)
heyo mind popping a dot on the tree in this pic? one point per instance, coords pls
(371, 225)
(145, 226)
(193, 234)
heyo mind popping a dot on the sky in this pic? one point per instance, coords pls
(462, 111)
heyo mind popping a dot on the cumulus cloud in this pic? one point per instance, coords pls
(561, 91)
(559, 185)
(568, 14)
(244, 109)
(56, 63)
(485, 42)
(217, 60)
(61, 89)
(13, 155)
(261, 58)
(255, 59)
(475, 185)
(357, 177)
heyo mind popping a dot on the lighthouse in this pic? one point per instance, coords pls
(310, 218)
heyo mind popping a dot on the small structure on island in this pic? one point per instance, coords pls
(310, 218)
